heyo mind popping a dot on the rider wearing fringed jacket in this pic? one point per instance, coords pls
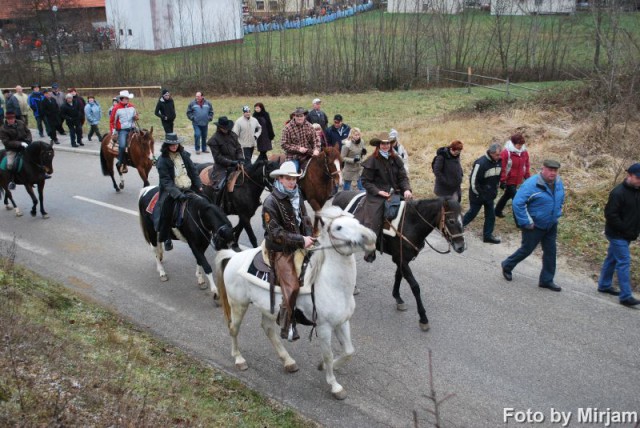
(177, 175)
(287, 229)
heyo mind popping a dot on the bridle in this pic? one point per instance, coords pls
(335, 245)
(327, 168)
(206, 233)
(265, 179)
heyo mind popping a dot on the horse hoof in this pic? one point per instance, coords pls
(356, 291)
(242, 366)
(117, 190)
(203, 286)
(18, 213)
(33, 213)
(402, 307)
(164, 278)
(291, 368)
(121, 186)
(425, 326)
(216, 300)
(340, 395)
(45, 216)
(8, 207)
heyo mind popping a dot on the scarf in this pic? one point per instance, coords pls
(512, 148)
(384, 153)
(294, 197)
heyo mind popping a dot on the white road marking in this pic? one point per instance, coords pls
(25, 244)
(104, 204)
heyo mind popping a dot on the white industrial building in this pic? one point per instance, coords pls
(532, 7)
(169, 24)
(448, 7)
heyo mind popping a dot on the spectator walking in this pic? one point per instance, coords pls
(399, 148)
(483, 189)
(316, 115)
(515, 169)
(23, 101)
(93, 113)
(622, 225)
(248, 130)
(81, 105)
(35, 101)
(200, 113)
(51, 115)
(448, 171)
(166, 111)
(299, 141)
(58, 95)
(265, 139)
(537, 207)
(70, 112)
(353, 151)
(337, 132)
(114, 102)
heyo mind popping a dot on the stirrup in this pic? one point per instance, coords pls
(12, 185)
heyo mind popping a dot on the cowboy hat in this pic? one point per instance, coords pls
(125, 94)
(224, 122)
(377, 141)
(288, 168)
(172, 138)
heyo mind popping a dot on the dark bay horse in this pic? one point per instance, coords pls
(37, 160)
(323, 174)
(245, 198)
(140, 156)
(202, 224)
(418, 220)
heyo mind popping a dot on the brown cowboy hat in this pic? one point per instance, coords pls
(377, 141)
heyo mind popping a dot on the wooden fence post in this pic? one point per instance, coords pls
(507, 86)
(469, 80)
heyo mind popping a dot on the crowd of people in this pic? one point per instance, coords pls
(537, 200)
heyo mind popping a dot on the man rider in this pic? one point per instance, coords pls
(287, 230)
(177, 175)
(122, 119)
(16, 137)
(299, 140)
(226, 151)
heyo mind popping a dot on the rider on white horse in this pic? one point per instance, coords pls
(287, 229)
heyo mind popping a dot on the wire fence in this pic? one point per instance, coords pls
(470, 80)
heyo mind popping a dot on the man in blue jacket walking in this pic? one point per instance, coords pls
(537, 207)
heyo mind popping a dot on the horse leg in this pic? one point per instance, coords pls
(237, 230)
(8, 196)
(273, 333)
(202, 282)
(400, 304)
(34, 200)
(144, 174)
(159, 253)
(246, 224)
(343, 334)
(204, 264)
(121, 185)
(415, 289)
(41, 198)
(237, 314)
(324, 335)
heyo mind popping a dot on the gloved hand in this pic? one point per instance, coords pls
(503, 185)
(235, 163)
(364, 151)
(183, 197)
(24, 145)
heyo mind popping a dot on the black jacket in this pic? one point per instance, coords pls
(71, 113)
(484, 179)
(13, 105)
(448, 172)
(281, 231)
(166, 109)
(267, 135)
(50, 111)
(622, 213)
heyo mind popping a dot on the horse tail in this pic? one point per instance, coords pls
(222, 258)
(142, 218)
(103, 162)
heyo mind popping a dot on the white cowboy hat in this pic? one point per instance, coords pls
(288, 168)
(126, 94)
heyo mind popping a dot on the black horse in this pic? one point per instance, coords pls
(202, 223)
(37, 159)
(245, 198)
(418, 219)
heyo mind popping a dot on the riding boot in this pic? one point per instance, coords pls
(289, 288)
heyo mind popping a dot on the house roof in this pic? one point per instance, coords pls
(9, 8)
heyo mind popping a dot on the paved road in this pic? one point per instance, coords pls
(495, 344)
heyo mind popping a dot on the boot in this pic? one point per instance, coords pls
(168, 245)
(288, 328)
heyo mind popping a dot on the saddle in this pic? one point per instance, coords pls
(389, 225)
(17, 162)
(258, 271)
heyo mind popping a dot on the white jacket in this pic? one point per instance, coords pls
(247, 130)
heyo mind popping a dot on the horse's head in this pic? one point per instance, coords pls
(215, 220)
(344, 233)
(41, 153)
(451, 224)
(146, 138)
(333, 164)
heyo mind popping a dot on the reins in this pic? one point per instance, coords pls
(200, 229)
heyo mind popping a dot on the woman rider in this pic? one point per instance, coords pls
(383, 173)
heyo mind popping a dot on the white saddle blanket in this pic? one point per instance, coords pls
(395, 222)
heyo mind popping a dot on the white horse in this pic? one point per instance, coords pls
(332, 270)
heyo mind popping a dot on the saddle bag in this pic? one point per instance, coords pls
(391, 207)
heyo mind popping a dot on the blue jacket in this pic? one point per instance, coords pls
(35, 100)
(93, 113)
(200, 115)
(535, 203)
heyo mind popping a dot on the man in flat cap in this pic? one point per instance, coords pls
(537, 207)
(622, 215)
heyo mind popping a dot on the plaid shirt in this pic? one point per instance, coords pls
(294, 137)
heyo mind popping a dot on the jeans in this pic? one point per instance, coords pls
(39, 125)
(200, 136)
(75, 133)
(508, 194)
(94, 130)
(296, 162)
(489, 216)
(619, 260)
(347, 185)
(530, 240)
(123, 134)
(248, 154)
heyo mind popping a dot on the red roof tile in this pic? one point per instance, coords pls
(8, 8)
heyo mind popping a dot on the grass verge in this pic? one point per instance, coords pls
(66, 362)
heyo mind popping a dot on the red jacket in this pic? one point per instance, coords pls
(114, 124)
(516, 163)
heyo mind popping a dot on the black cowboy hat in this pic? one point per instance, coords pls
(172, 138)
(224, 122)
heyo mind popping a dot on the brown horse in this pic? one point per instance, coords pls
(140, 156)
(322, 175)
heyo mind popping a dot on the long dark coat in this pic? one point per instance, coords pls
(380, 174)
(267, 135)
(166, 174)
(448, 172)
(51, 112)
(225, 148)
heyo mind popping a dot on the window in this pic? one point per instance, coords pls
(259, 5)
(130, 32)
(121, 32)
(273, 6)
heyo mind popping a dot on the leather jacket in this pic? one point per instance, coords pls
(282, 233)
